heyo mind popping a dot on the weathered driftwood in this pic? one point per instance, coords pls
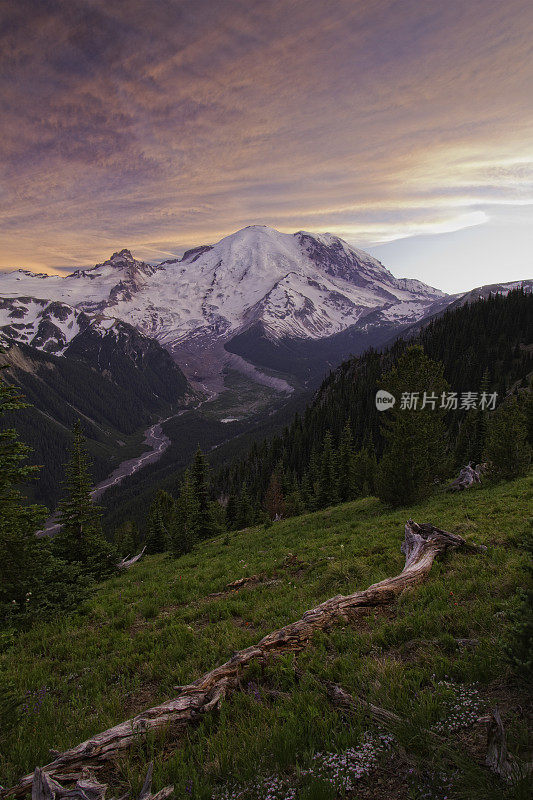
(128, 562)
(422, 544)
(88, 788)
(468, 476)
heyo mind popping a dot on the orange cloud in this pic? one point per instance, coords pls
(165, 125)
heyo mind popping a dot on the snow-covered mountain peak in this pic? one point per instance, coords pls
(299, 285)
(121, 261)
(121, 258)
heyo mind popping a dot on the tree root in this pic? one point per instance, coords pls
(422, 544)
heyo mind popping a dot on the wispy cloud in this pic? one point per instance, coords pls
(161, 125)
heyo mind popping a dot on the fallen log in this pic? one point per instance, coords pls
(498, 759)
(340, 697)
(421, 545)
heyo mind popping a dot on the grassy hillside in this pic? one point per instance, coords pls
(167, 621)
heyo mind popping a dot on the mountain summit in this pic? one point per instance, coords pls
(257, 282)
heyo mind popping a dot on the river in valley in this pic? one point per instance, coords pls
(154, 438)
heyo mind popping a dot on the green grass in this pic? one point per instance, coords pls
(155, 627)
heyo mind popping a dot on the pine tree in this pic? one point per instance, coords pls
(507, 448)
(156, 531)
(307, 493)
(274, 499)
(473, 430)
(127, 538)
(18, 523)
(365, 469)
(183, 536)
(231, 512)
(327, 494)
(32, 582)
(294, 504)
(168, 508)
(526, 403)
(245, 510)
(80, 538)
(347, 484)
(203, 523)
(415, 450)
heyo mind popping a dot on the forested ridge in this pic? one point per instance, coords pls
(483, 345)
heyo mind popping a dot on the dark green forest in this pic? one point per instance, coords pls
(482, 346)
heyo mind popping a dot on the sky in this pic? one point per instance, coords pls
(403, 126)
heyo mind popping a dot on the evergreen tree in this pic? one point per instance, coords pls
(245, 510)
(294, 504)
(32, 582)
(274, 499)
(18, 523)
(127, 538)
(415, 453)
(307, 493)
(168, 508)
(314, 472)
(156, 531)
(473, 430)
(183, 535)
(347, 482)
(231, 512)
(327, 483)
(365, 469)
(203, 522)
(80, 538)
(526, 403)
(507, 448)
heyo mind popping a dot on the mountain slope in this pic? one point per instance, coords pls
(301, 288)
(115, 379)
